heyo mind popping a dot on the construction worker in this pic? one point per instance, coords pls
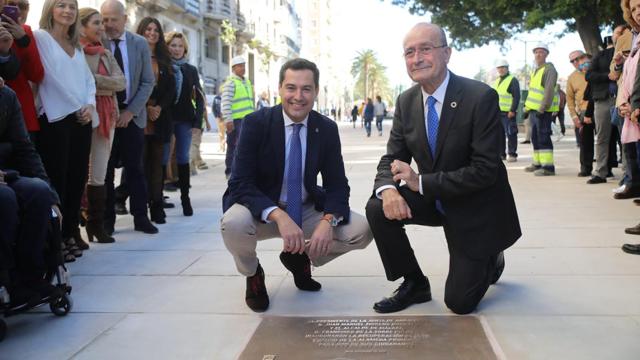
(508, 89)
(237, 102)
(542, 101)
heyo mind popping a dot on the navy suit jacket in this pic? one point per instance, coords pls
(258, 166)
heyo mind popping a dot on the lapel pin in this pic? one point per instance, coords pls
(317, 131)
(454, 105)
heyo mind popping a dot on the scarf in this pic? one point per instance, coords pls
(105, 106)
(177, 64)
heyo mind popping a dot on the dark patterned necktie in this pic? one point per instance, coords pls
(122, 95)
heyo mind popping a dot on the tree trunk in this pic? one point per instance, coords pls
(589, 31)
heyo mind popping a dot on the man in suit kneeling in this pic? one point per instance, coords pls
(461, 182)
(273, 189)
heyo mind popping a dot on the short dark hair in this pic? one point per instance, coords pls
(300, 64)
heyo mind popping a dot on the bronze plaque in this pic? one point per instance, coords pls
(369, 337)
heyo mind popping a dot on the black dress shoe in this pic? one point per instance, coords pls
(628, 193)
(121, 208)
(410, 292)
(584, 173)
(631, 249)
(143, 224)
(300, 267)
(596, 180)
(633, 230)
(498, 268)
(256, 295)
(525, 142)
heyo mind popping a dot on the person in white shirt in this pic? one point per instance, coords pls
(67, 98)
(378, 111)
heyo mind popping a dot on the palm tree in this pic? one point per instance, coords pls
(371, 78)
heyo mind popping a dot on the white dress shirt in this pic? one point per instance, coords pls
(288, 131)
(125, 61)
(439, 95)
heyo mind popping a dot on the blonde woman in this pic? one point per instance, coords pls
(109, 79)
(67, 95)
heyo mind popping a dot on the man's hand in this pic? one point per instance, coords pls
(402, 171)
(588, 120)
(84, 114)
(321, 241)
(576, 122)
(619, 58)
(124, 119)
(13, 27)
(292, 235)
(6, 40)
(394, 205)
(511, 114)
(614, 76)
(634, 115)
(154, 112)
(56, 209)
(229, 125)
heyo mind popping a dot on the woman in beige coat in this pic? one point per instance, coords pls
(109, 80)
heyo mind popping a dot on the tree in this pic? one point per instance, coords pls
(266, 56)
(371, 78)
(477, 22)
(228, 37)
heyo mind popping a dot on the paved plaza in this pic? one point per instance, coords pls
(568, 291)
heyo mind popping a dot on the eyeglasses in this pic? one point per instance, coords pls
(421, 51)
(574, 60)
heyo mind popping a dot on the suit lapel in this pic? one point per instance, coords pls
(130, 52)
(417, 117)
(277, 134)
(452, 98)
(313, 133)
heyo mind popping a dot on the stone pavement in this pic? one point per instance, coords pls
(568, 291)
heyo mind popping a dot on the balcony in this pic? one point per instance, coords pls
(154, 5)
(218, 10)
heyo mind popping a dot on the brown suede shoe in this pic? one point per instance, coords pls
(256, 296)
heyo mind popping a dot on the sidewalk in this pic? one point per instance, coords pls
(568, 291)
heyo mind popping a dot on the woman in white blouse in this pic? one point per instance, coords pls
(67, 98)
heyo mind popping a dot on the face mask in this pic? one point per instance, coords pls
(584, 66)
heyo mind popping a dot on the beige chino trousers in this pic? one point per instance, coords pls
(241, 233)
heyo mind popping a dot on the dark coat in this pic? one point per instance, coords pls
(17, 153)
(164, 94)
(598, 75)
(466, 175)
(258, 167)
(183, 110)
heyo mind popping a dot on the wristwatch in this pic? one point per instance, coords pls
(332, 220)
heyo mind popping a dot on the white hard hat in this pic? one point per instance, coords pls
(541, 45)
(502, 62)
(237, 60)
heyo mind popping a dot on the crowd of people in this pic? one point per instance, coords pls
(81, 97)
(602, 95)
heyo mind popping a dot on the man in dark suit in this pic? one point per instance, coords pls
(134, 58)
(451, 127)
(273, 189)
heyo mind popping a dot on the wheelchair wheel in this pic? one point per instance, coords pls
(3, 329)
(61, 306)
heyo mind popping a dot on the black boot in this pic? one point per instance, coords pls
(96, 197)
(157, 214)
(77, 238)
(183, 180)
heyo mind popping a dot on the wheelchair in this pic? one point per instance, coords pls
(56, 273)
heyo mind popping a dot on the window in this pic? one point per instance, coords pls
(225, 54)
(211, 48)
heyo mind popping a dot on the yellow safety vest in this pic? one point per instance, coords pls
(242, 102)
(506, 99)
(536, 93)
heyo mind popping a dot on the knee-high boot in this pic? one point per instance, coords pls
(183, 180)
(96, 197)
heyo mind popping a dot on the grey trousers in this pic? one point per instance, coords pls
(241, 233)
(602, 120)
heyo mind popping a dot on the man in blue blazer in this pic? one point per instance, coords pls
(273, 190)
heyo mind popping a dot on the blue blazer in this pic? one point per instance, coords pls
(258, 166)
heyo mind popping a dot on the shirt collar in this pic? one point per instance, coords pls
(439, 93)
(123, 37)
(288, 121)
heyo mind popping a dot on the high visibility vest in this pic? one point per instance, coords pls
(506, 99)
(536, 93)
(242, 102)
